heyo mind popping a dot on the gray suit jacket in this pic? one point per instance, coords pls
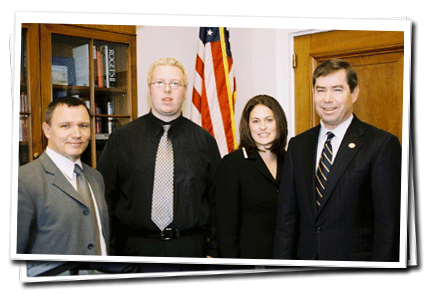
(52, 216)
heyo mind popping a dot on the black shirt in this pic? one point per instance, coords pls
(127, 164)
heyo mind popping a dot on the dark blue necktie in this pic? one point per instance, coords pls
(323, 169)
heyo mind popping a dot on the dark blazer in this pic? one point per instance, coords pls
(360, 216)
(52, 217)
(246, 203)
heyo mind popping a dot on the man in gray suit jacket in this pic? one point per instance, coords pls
(53, 217)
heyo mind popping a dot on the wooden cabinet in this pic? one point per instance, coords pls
(94, 63)
(30, 132)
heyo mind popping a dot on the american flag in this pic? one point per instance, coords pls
(214, 91)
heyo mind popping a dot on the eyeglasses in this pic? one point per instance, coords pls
(172, 84)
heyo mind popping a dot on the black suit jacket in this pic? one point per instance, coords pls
(360, 215)
(246, 204)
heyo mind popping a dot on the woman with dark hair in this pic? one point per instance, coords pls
(248, 181)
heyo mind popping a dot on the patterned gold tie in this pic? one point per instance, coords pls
(84, 191)
(323, 169)
(162, 201)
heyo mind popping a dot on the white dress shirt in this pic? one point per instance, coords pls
(338, 132)
(66, 166)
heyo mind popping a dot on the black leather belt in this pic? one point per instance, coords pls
(169, 233)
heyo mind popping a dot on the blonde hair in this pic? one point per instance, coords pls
(167, 61)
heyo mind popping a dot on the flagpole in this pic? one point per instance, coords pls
(229, 92)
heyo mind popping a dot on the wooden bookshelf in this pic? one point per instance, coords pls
(30, 131)
(69, 61)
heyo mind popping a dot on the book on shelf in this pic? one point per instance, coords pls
(102, 136)
(23, 71)
(63, 71)
(75, 71)
(110, 111)
(109, 66)
(104, 126)
(81, 57)
(59, 94)
(59, 74)
(24, 103)
(98, 122)
(23, 132)
(100, 79)
(87, 102)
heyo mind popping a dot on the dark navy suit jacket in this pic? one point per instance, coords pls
(359, 219)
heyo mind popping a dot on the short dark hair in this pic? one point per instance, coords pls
(68, 100)
(332, 65)
(247, 141)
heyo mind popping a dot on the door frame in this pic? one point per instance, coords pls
(291, 78)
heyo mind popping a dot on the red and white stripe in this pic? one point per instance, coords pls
(214, 94)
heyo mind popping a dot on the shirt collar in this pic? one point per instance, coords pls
(158, 123)
(65, 165)
(339, 131)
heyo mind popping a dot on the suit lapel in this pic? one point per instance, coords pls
(280, 167)
(309, 160)
(58, 180)
(350, 145)
(97, 192)
(260, 165)
(99, 198)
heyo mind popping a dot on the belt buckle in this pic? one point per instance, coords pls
(168, 234)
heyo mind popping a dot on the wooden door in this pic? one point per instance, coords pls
(376, 56)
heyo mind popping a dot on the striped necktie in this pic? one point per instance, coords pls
(323, 169)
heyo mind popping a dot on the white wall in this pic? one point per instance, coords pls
(154, 42)
(260, 62)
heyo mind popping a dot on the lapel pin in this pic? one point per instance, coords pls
(245, 152)
(352, 145)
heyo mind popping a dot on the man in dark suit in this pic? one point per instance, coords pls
(345, 204)
(53, 216)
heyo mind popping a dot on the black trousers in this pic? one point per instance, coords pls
(186, 246)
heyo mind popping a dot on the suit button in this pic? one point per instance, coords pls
(317, 229)
(86, 212)
(90, 246)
